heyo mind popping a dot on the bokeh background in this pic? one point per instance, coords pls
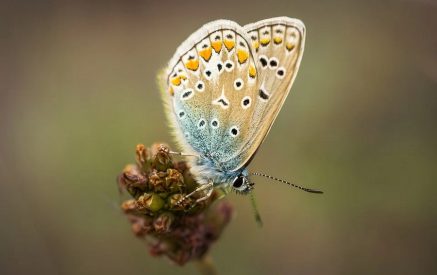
(78, 93)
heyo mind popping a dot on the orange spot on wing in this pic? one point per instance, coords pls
(192, 64)
(289, 46)
(265, 41)
(277, 40)
(171, 91)
(206, 54)
(242, 56)
(176, 81)
(217, 46)
(229, 44)
(255, 45)
(252, 71)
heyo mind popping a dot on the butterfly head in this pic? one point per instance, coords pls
(242, 185)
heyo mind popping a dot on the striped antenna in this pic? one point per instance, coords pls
(289, 183)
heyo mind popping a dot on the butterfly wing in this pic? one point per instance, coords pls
(210, 84)
(222, 96)
(278, 44)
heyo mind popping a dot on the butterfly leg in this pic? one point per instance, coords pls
(209, 187)
(182, 154)
(167, 150)
(207, 193)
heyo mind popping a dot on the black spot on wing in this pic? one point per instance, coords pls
(262, 94)
(223, 102)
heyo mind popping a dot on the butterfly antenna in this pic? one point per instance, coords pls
(255, 210)
(289, 183)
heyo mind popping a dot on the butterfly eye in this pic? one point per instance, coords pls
(240, 184)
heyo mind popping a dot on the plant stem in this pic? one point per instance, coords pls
(206, 266)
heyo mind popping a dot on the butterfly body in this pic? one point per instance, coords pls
(206, 171)
(224, 88)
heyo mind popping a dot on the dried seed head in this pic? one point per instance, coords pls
(182, 229)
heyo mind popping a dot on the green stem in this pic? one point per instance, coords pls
(206, 266)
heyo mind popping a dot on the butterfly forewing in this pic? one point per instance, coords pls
(212, 85)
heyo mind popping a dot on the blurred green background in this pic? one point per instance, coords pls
(78, 93)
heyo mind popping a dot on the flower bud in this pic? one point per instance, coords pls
(129, 206)
(152, 202)
(174, 181)
(161, 159)
(142, 157)
(157, 181)
(141, 225)
(163, 222)
(132, 180)
(189, 182)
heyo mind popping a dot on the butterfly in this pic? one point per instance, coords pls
(224, 88)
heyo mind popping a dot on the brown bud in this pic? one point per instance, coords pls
(141, 225)
(157, 181)
(181, 166)
(132, 180)
(142, 157)
(189, 182)
(174, 181)
(163, 222)
(129, 206)
(160, 248)
(161, 159)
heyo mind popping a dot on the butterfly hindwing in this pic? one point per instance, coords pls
(278, 44)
